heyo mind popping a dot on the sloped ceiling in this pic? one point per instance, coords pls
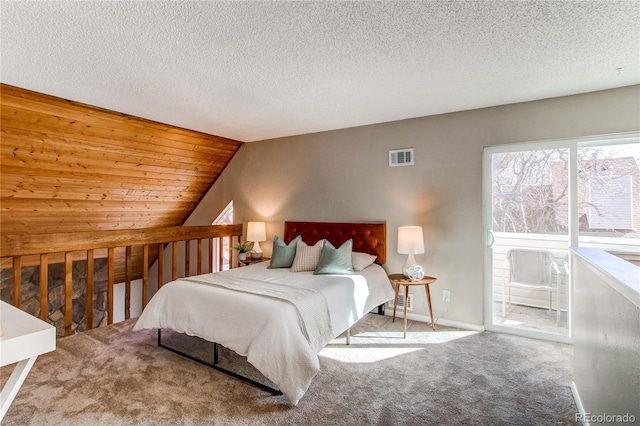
(256, 70)
(72, 167)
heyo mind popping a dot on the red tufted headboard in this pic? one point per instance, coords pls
(367, 237)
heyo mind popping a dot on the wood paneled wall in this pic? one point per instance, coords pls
(69, 167)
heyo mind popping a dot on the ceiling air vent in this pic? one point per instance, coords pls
(401, 157)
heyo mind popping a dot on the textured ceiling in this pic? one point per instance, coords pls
(257, 70)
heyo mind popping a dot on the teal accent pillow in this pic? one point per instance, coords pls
(282, 255)
(335, 260)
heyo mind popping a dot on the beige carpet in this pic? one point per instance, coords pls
(113, 376)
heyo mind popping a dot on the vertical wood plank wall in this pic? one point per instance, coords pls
(69, 167)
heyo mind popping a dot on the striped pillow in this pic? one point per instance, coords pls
(307, 257)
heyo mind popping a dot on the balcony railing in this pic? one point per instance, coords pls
(140, 246)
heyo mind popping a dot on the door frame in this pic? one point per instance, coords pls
(572, 145)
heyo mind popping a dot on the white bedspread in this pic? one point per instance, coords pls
(266, 329)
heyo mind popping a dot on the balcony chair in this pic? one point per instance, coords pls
(532, 270)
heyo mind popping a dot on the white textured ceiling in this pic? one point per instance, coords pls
(259, 70)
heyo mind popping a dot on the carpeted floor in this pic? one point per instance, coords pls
(113, 376)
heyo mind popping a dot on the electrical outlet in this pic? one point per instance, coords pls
(446, 296)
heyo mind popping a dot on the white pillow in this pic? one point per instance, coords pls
(307, 257)
(361, 260)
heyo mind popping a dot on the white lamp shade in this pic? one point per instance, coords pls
(410, 240)
(256, 231)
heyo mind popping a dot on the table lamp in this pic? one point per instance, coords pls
(410, 242)
(256, 232)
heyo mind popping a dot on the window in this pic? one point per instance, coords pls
(611, 203)
(609, 190)
(548, 196)
(224, 218)
(529, 191)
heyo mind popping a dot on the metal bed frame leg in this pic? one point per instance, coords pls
(380, 312)
(216, 367)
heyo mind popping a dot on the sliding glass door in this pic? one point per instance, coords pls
(540, 199)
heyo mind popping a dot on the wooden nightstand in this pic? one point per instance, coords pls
(248, 261)
(398, 280)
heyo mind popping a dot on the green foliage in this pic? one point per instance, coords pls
(243, 247)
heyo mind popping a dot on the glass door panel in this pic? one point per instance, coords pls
(528, 212)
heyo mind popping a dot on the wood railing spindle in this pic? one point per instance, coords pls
(211, 258)
(160, 265)
(200, 260)
(174, 261)
(89, 281)
(44, 286)
(220, 254)
(68, 293)
(31, 250)
(145, 274)
(128, 268)
(187, 258)
(17, 281)
(110, 279)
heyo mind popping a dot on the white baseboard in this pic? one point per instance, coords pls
(439, 321)
(579, 406)
(457, 324)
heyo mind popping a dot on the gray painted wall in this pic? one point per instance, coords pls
(342, 175)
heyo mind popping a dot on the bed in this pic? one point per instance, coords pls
(277, 318)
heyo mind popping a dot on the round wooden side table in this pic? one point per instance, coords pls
(398, 280)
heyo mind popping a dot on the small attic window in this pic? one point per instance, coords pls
(226, 216)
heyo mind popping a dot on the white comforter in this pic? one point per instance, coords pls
(266, 329)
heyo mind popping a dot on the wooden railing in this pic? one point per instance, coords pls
(43, 249)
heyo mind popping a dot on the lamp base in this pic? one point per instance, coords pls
(256, 255)
(411, 260)
(256, 251)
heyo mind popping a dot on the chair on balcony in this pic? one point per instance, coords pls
(532, 270)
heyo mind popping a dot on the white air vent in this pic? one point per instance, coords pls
(401, 302)
(401, 157)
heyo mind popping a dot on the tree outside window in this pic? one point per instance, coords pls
(530, 191)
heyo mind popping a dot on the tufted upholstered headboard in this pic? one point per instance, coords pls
(367, 237)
